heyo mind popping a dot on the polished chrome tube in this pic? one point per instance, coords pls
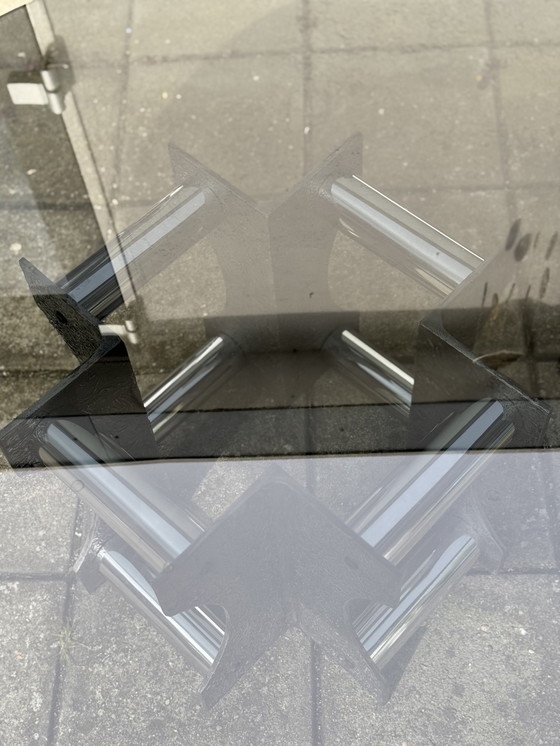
(371, 368)
(399, 237)
(395, 520)
(409, 502)
(147, 520)
(383, 630)
(209, 364)
(137, 254)
(153, 524)
(196, 634)
(138, 514)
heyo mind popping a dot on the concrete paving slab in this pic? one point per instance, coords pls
(395, 24)
(530, 106)
(537, 206)
(477, 219)
(54, 240)
(518, 21)
(107, 24)
(393, 333)
(125, 685)
(202, 107)
(485, 672)
(550, 478)
(99, 96)
(549, 388)
(125, 216)
(425, 119)
(553, 434)
(361, 281)
(19, 47)
(192, 287)
(357, 429)
(538, 209)
(38, 516)
(513, 492)
(227, 480)
(14, 180)
(344, 483)
(335, 388)
(171, 29)
(28, 341)
(37, 162)
(31, 623)
(21, 388)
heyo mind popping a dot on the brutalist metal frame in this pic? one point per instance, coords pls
(407, 544)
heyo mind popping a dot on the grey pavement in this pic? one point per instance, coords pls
(458, 105)
(483, 673)
(124, 685)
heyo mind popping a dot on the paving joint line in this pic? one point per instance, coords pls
(421, 189)
(314, 649)
(501, 127)
(56, 697)
(156, 59)
(67, 623)
(419, 48)
(33, 373)
(33, 577)
(516, 572)
(552, 511)
(316, 700)
(474, 187)
(123, 110)
(272, 53)
(13, 206)
(405, 49)
(307, 70)
(435, 188)
(120, 138)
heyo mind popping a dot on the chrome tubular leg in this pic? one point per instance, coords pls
(196, 634)
(399, 237)
(371, 368)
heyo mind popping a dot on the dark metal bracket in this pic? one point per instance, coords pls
(275, 559)
(101, 395)
(277, 290)
(75, 324)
